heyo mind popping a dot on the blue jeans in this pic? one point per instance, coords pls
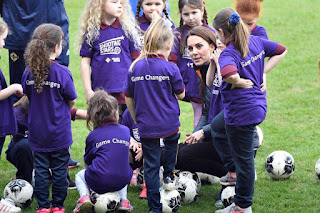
(220, 141)
(20, 155)
(57, 161)
(241, 145)
(152, 156)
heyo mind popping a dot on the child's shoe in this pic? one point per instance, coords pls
(169, 184)
(143, 194)
(133, 181)
(58, 210)
(124, 205)
(230, 179)
(44, 210)
(84, 204)
(6, 206)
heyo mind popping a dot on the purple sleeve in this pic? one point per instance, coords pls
(23, 82)
(88, 155)
(176, 80)
(69, 92)
(132, 48)
(226, 59)
(129, 85)
(86, 50)
(270, 47)
(125, 118)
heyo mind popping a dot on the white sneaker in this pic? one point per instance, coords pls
(228, 209)
(236, 208)
(7, 206)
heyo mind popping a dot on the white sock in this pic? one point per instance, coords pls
(123, 192)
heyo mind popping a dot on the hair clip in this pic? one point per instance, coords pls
(204, 3)
(234, 19)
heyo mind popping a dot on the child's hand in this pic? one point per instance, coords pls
(243, 83)
(215, 56)
(155, 15)
(17, 88)
(263, 86)
(89, 94)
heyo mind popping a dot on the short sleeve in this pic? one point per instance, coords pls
(68, 89)
(270, 47)
(176, 79)
(129, 85)
(134, 52)
(226, 59)
(24, 79)
(86, 50)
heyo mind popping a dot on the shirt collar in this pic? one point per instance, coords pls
(254, 28)
(156, 56)
(143, 19)
(115, 25)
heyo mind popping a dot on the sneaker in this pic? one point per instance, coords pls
(72, 184)
(169, 184)
(58, 210)
(73, 163)
(44, 210)
(83, 205)
(229, 179)
(7, 206)
(133, 181)
(124, 205)
(143, 194)
(233, 208)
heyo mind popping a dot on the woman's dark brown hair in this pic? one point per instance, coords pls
(102, 109)
(37, 54)
(203, 32)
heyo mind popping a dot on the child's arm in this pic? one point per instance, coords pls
(273, 61)
(236, 81)
(71, 103)
(130, 106)
(86, 79)
(13, 89)
(181, 95)
(214, 65)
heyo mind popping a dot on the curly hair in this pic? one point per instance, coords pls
(91, 20)
(197, 4)
(37, 55)
(102, 108)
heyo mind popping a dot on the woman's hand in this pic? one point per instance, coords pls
(215, 56)
(136, 147)
(195, 137)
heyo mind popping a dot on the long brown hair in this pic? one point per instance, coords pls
(102, 108)
(204, 33)
(37, 54)
(197, 4)
(238, 33)
(248, 6)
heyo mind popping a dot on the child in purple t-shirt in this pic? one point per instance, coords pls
(8, 124)
(153, 85)
(110, 41)
(192, 13)
(242, 68)
(50, 90)
(106, 154)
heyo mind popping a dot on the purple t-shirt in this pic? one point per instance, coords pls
(153, 84)
(185, 65)
(49, 117)
(246, 106)
(8, 124)
(260, 32)
(22, 122)
(128, 122)
(216, 105)
(111, 56)
(106, 154)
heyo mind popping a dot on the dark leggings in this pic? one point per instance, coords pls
(200, 157)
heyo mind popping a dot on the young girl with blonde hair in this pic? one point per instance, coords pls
(110, 41)
(51, 93)
(107, 167)
(153, 85)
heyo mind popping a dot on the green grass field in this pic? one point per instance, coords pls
(293, 117)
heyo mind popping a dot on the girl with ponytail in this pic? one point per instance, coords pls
(245, 105)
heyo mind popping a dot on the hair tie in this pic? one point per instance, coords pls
(204, 3)
(234, 19)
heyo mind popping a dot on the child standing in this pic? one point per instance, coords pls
(250, 11)
(242, 65)
(8, 124)
(110, 41)
(107, 147)
(153, 85)
(192, 13)
(51, 93)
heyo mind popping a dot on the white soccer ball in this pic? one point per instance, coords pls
(170, 200)
(191, 175)
(280, 165)
(107, 202)
(20, 192)
(187, 187)
(260, 135)
(317, 168)
(227, 195)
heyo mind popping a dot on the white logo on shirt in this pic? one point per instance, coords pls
(216, 81)
(253, 59)
(189, 64)
(186, 53)
(111, 46)
(45, 83)
(150, 78)
(114, 140)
